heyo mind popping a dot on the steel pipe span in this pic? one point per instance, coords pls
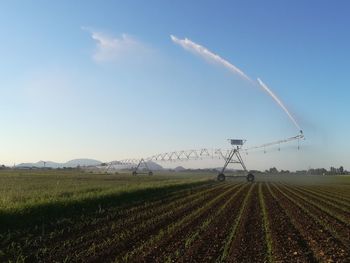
(203, 153)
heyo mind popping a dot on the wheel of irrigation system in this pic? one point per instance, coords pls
(250, 177)
(150, 173)
(221, 177)
(134, 173)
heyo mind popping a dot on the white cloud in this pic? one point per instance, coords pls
(110, 48)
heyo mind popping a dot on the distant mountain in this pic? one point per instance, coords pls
(179, 169)
(71, 164)
(40, 164)
(154, 166)
(82, 162)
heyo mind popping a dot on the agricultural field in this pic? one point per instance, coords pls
(175, 217)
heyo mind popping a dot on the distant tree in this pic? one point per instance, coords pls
(273, 170)
(332, 170)
(317, 171)
(301, 171)
(284, 172)
(341, 170)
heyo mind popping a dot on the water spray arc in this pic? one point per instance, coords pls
(208, 55)
(279, 102)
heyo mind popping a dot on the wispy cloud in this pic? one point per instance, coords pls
(111, 48)
(207, 54)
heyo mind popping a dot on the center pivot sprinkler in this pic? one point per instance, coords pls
(144, 163)
(229, 159)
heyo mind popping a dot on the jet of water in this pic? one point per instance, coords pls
(208, 55)
(279, 102)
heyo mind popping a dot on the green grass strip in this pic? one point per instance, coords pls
(46, 213)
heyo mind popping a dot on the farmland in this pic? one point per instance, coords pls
(175, 217)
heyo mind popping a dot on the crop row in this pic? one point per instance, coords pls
(214, 222)
(312, 224)
(34, 244)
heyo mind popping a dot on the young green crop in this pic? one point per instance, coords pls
(168, 231)
(235, 226)
(321, 221)
(266, 225)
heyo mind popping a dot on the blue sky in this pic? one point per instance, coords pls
(105, 81)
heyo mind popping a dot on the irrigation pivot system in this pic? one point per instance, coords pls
(142, 162)
(230, 156)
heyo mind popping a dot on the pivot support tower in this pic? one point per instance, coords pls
(234, 157)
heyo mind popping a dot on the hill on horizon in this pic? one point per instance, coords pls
(70, 164)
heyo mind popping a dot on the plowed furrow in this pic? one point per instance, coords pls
(209, 244)
(325, 247)
(118, 235)
(336, 202)
(132, 215)
(143, 244)
(249, 244)
(287, 243)
(325, 217)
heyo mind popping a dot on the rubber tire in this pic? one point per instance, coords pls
(221, 177)
(250, 177)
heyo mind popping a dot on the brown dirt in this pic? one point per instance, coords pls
(249, 244)
(325, 247)
(304, 226)
(287, 242)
